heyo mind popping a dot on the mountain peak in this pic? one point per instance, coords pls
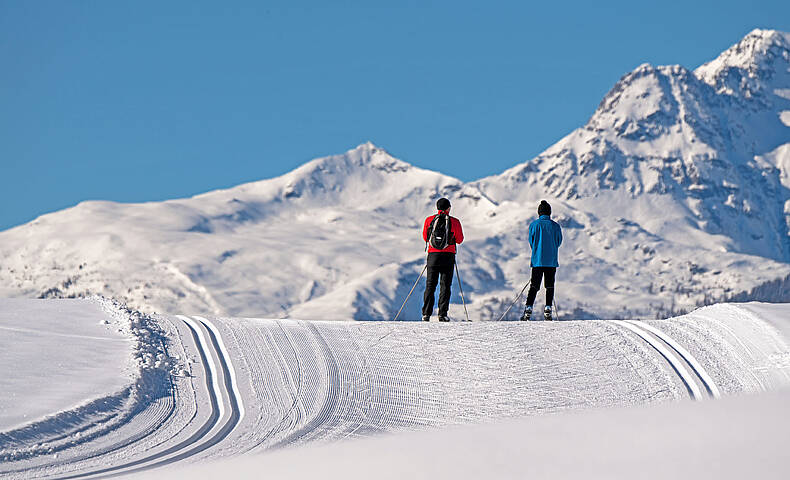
(643, 78)
(368, 148)
(645, 103)
(744, 67)
(365, 175)
(760, 38)
(364, 155)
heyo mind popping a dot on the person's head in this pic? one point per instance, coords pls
(544, 208)
(443, 204)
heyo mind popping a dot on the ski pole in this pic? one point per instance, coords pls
(458, 276)
(556, 309)
(410, 292)
(514, 300)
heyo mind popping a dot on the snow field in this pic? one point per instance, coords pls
(246, 385)
(45, 350)
(151, 409)
(345, 380)
(105, 359)
(742, 352)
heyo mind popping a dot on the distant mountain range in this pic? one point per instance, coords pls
(675, 193)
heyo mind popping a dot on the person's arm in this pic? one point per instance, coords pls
(559, 235)
(458, 231)
(425, 228)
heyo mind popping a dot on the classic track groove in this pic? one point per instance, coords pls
(677, 357)
(696, 366)
(223, 397)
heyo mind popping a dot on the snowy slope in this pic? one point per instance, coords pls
(245, 385)
(62, 353)
(262, 248)
(76, 372)
(674, 173)
(676, 193)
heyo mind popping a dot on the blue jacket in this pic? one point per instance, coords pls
(545, 238)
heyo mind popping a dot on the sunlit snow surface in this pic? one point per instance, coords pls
(243, 385)
(59, 354)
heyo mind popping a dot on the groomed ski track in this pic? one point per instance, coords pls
(678, 358)
(226, 405)
(220, 407)
(262, 384)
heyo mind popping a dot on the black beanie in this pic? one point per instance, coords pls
(442, 204)
(544, 208)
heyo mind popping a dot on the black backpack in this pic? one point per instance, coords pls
(440, 235)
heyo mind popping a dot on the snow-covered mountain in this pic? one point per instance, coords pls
(675, 193)
(675, 172)
(321, 235)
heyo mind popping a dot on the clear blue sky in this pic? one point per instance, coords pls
(138, 100)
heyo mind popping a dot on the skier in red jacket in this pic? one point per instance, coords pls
(440, 262)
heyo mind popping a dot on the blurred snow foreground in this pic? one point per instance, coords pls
(92, 389)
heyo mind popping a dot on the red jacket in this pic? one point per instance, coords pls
(455, 227)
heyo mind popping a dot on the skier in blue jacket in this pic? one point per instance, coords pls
(545, 238)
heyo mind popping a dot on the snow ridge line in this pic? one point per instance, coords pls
(674, 361)
(703, 374)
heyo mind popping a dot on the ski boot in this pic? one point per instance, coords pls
(547, 313)
(527, 313)
(426, 318)
(443, 319)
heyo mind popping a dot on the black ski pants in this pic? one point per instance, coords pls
(440, 264)
(539, 273)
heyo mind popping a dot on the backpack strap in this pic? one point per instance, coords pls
(430, 231)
